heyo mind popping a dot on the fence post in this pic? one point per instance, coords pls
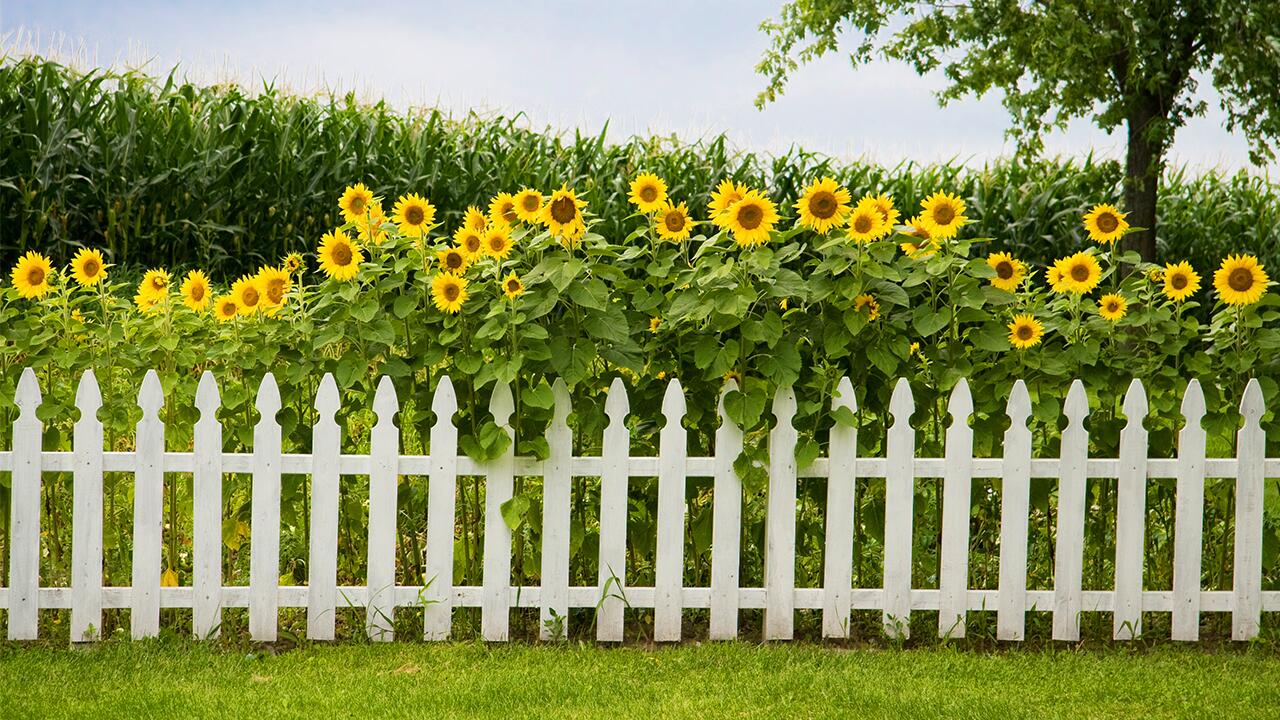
(1068, 570)
(1131, 511)
(669, 563)
(24, 512)
(441, 511)
(780, 530)
(495, 611)
(1188, 528)
(264, 525)
(900, 488)
(1251, 448)
(953, 578)
(148, 511)
(557, 487)
(206, 513)
(384, 462)
(1015, 505)
(322, 564)
(614, 478)
(86, 518)
(726, 525)
(837, 572)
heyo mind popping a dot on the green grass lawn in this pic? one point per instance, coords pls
(182, 679)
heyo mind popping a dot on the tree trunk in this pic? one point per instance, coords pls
(1143, 165)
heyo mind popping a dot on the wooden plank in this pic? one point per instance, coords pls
(780, 521)
(1068, 567)
(441, 512)
(669, 563)
(148, 511)
(24, 512)
(837, 561)
(322, 568)
(384, 453)
(557, 489)
(1131, 511)
(1188, 529)
(612, 571)
(726, 525)
(1015, 506)
(495, 610)
(900, 487)
(206, 513)
(86, 517)
(1251, 448)
(264, 525)
(957, 485)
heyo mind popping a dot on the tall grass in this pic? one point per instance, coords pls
(162, 172)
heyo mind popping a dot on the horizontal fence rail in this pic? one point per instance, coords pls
(384, 464)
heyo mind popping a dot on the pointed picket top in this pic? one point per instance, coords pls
(673, 403)
(1019, 406)
(1193, 407)
(1252, 404)
(445, 401)
(1135, 404)
(151, 395)
(88, 396)
(327, 401)
(1076, 408)
(784, 406)
(207, 396)
(960, 406)
(844, 396)
(268, 402)
(27, 397)
(563, 403)
(617, 405)
(501, 404)
(385, 402)
(901, 405)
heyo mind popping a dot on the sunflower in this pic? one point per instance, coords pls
(751, 219)
(454, 260)
(654, 324)
(866, 224)
(1009, 271)
(369, 226)
(275, 285)
(1180, 281)
(340, 258)
(1078, 274)
(475, 219)
(1054, 277)
(869, 302)
(497, 242)
(225, 308)
(563, 214)
(1025, 331)
(88, 268)
(824, 205)
(449, 291)
(1156, 274)
(722, 198)
(529, 205)
(249, 294)
(502, 210)
(512, 286)
(293, 263)
(1112, 306)
(146, 302)
(355, 202)
(470, 241)
(648, 192)
(884, 205)
(413, 215)
(942, 214)
(673, 222)
(155, 284)
(195, 291)
(31, 275)
(1105, 224)
(1240, 280)
(925, 244)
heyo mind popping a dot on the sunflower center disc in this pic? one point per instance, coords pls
(91, 268)
(563, 210)
(1024, 332)
(197, 292)
(35, 276)
(674, 222)
(750, 216)
(530, 203)
(250, 297)
(1004, 270)
(1108, 222)
(1079, 273)
(1240, 279)
(342, 255)
(944, 214)
(823, 205)
(862, 224)
(451, 292)
(648, 193)
(1178, 281)
(414, 215)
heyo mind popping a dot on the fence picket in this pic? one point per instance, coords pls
(24, 512)
(1188, 525)
(1131, 511)
(837, 571)
(495, 611)
(726, 525)
(1015, 505)
(900, 488)
(1068, 568)
(780, 522)
(148, 511)
(669, 563)
(612, 573)
(437, 619)
(86, 518)
(264, 522)
(322, 564)
(384, 456)
(953, 577)
(1251, 448)
(557, 487)
(206, 513)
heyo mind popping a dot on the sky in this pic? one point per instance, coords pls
(654, 67)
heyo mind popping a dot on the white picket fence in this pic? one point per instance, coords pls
(669, 597)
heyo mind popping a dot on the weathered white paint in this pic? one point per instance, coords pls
(612, 567)
(264, 519)
(1251, 448)
(86, 517)
(441, 513)
(957, 484)
(322, 570)
(669, 564)
(148, 510)
(1068, 570)
(495, 614)
(384, 450)
(1131, 511)
(557, 489)
(1015, 501)
(726, 525)
(1188, 528)
(780, 522)
(900, 488)
(837, 566)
